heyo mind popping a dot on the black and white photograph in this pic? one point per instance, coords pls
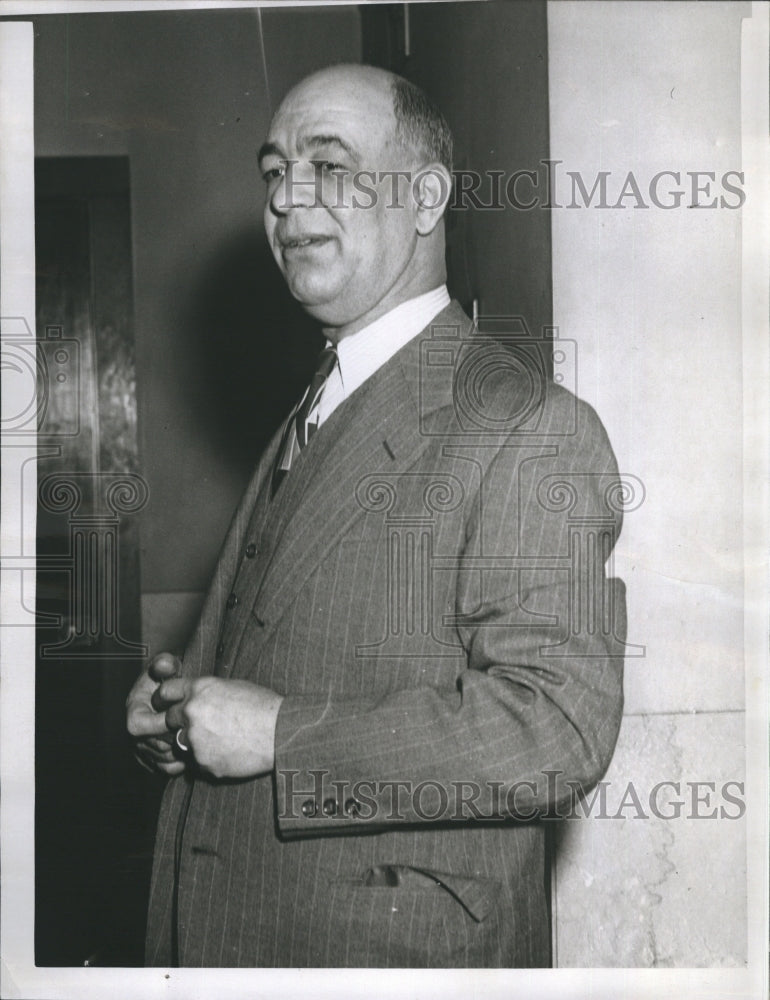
(385, 604)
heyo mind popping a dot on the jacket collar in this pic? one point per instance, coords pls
(381, 428)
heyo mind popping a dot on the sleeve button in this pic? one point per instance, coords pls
(352, 808)
(308, 808)
(232, 600)
(251, 550)
(329, 808)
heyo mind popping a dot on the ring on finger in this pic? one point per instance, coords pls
(180, 741)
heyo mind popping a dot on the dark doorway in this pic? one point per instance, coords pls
(92, 848)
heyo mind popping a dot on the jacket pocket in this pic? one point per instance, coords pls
(476, 894)
(394, 915)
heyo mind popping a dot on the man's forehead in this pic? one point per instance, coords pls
(322, 104)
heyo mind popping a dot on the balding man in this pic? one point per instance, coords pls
(389, 683)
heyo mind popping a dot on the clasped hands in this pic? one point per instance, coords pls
(229, 725)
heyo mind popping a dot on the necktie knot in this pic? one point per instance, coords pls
(327, 359)
(298, 431)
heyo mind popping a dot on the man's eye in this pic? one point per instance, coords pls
(330, 167)
(272, 174)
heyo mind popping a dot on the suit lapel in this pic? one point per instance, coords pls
(377, 430)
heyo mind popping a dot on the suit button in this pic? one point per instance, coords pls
(220, 648)
(329, 808)
(232, 600)
(352, 808)
(309, 808)
(251, 550)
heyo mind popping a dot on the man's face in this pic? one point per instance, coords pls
(342, 248)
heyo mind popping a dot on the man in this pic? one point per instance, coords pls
(396, 669)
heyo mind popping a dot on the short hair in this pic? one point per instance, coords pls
(420, 124)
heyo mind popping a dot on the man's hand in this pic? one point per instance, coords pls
(229, 725)
(146, 717)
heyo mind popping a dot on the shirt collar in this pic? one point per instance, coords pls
(365, 352)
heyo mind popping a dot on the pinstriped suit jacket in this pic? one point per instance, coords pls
(429, 594)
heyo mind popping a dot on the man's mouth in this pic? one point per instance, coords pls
(301, 242)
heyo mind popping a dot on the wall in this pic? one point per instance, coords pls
(653, 298)
(486, 67)
(221, 350)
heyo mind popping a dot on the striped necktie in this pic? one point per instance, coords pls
(298, 432)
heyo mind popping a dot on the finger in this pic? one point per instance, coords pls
(154, 766)
(143, 722)
(160, 743)
(140, 759)
(165, 665)
(174, 769)
(160, 700)
(175, 717)
(176, 689)
(170, 766)
(165, 755)
(143, 687)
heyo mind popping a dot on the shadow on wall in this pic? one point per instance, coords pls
(253, 349)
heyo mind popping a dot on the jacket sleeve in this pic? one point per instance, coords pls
(534, 715)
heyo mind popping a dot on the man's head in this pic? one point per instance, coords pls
(357, 164)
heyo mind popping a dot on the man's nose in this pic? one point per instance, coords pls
(300, 187)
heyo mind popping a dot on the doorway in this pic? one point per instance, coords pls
(92, 842)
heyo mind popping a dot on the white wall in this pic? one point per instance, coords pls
(653, 298)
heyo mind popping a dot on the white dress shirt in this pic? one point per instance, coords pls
(365, 352)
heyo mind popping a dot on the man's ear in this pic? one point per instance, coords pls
(431, 188)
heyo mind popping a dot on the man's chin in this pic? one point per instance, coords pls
(330, 304)
(320, 303)
(323, 312)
